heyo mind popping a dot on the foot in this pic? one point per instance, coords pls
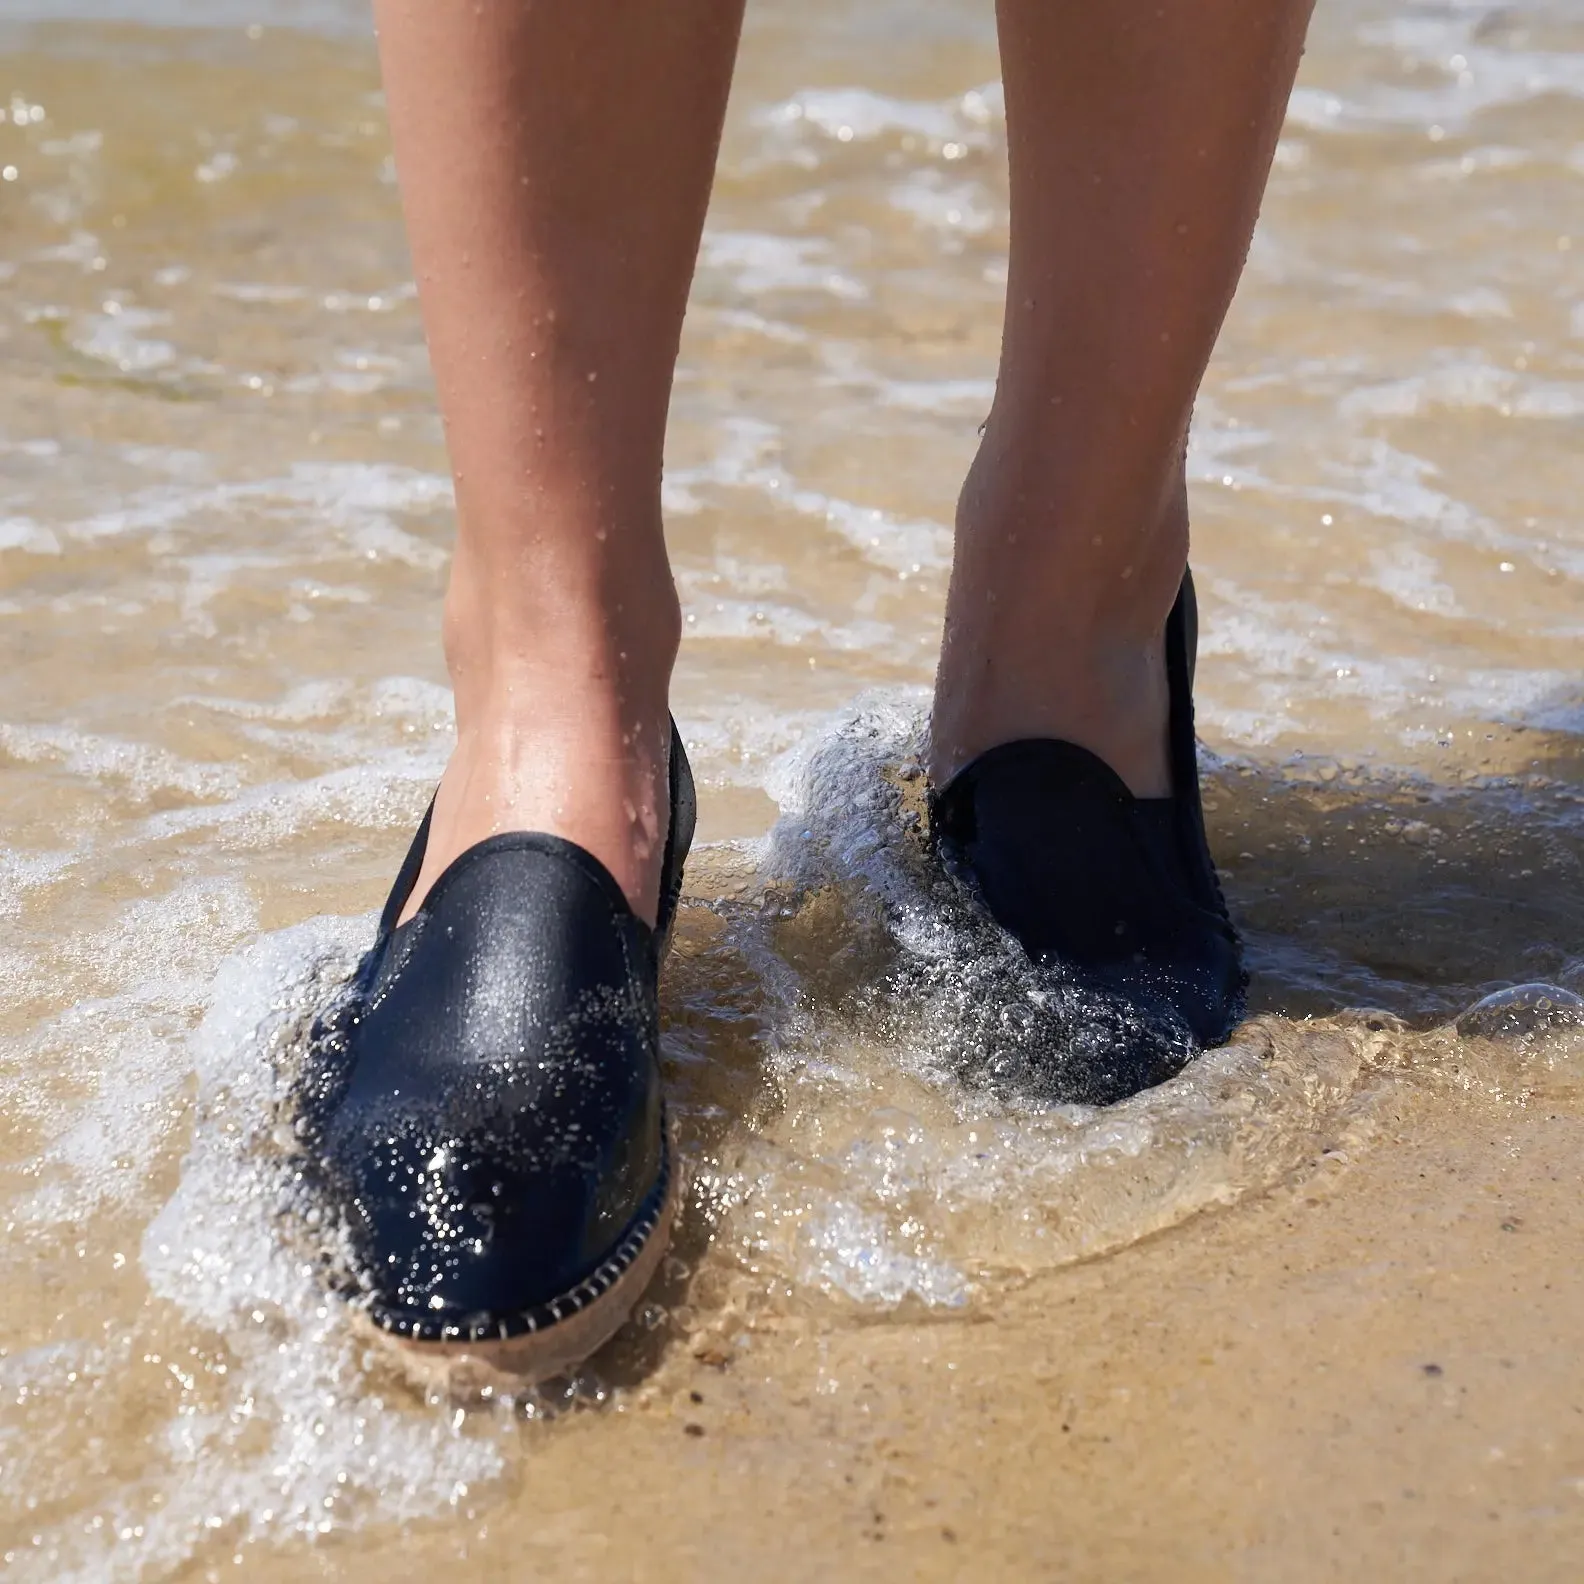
(1104, 692)
(595, 776)
(1053, 631)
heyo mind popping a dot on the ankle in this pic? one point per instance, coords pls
(563, 724)
(603, 644)
(1099, 546)
(1056, 615)
(590, 765)
(1109, 698)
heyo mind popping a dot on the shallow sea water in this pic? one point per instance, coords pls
(224, 527)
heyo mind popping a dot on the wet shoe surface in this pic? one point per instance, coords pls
(483, 1115)
(1119, 891)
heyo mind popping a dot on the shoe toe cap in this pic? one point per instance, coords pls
(476, 1234)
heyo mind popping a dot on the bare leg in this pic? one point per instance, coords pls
(1140, 135)
(555, 164)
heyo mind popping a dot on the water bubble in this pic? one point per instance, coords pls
(1522, 1011)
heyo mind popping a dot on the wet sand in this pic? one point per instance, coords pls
(1371, 1372)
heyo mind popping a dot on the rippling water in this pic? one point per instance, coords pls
(224, 525)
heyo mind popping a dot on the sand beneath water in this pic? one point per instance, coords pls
(1371, 1372)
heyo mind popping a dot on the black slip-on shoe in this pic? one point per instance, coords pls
(1118, 891)
(482, 1117)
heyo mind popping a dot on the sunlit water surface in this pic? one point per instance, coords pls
(224, 526)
